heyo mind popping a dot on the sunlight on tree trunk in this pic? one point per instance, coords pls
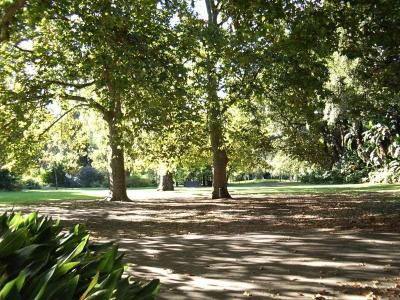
(220, 158)
(117, 167)
(166, 182)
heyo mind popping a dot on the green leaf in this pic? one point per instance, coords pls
(107, 262)
(91, 285)
(100, 295)
(149, 291)
(12, 241)
(11, 289)
(64, 268)
(78, 248)
(41, 284)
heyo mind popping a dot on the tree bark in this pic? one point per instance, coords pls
(117, 166)
(166, 182)
(220, 158)
(55, 177)
(220, 182)
(6, 17)
(215, 112)
(113, 118)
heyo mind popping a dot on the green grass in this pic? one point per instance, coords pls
(29, 196)
(264, 187)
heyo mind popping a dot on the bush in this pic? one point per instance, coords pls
(31, 184)
(38, 260)
(90, 177)
(388, 174)
(63, 178)
(50, 176)
(350, 169)
(8, 180)
(137, 181)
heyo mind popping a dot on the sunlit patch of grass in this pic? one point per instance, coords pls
(29, 196)
(287, 187)
(266, 187)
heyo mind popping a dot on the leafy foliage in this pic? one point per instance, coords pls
(139, 181)
(90, 177)
(38, 260)
(8, 180)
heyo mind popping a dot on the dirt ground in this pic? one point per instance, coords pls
(331, 246)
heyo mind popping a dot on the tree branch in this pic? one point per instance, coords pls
(5, 20)
(209, 11)
(89, 102)
(22, 49)
(247, 93)
(70, 84)
(59, 118)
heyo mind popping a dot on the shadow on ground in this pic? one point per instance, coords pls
(280, 247)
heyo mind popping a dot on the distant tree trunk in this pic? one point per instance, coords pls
(55, 178)
(166, 182)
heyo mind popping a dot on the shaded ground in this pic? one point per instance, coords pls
(294, 246)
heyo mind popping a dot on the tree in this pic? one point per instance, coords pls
(119, 58)
(222, 73)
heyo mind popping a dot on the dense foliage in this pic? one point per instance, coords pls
(8, 180)
(296, 88)
(39, 260)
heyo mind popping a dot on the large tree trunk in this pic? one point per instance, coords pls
(220, 158)
(116, 157)
(215, 114)
(166, 182)
(113, 118)
(220, 179)
(117, 166)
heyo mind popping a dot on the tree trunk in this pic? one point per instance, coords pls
(55, 177)
(215, 114)
(166, 182)
(220, 182)
(220, 158)
(117, 166)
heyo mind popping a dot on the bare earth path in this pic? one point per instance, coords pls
(327, 246)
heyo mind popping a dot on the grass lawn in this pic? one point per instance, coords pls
(29, 196)
(264, 187)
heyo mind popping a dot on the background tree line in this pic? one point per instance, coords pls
(295, 88)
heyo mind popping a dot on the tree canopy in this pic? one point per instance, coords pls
(197, 85)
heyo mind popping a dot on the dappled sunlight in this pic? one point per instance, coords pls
(275, 247)
(292, 266)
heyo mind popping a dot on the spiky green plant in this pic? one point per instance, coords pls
(40, 261)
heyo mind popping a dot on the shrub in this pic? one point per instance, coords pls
(31, 184)
(137, 181)
(387, 174)
(90, 177)
(350, 169)
(8, 180)
(50, 176)
(38, 260)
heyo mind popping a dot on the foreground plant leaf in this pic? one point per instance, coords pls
(40, 262)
